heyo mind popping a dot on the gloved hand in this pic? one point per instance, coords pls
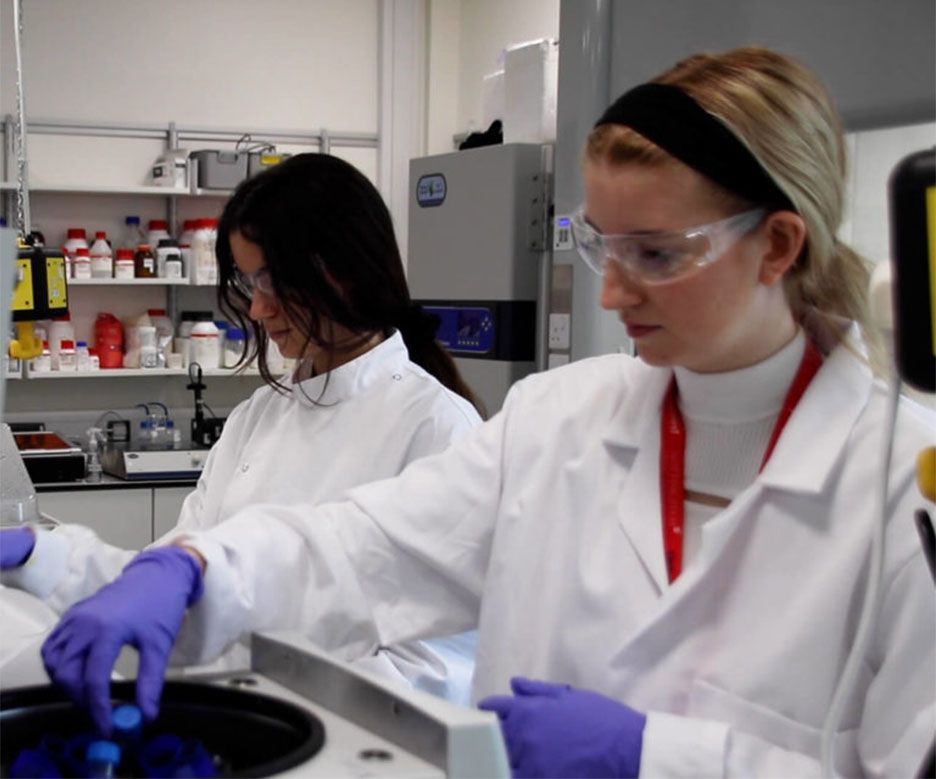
(554, 730)
(144, 608)
(16, 544)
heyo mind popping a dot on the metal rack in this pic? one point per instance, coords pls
(172, 135)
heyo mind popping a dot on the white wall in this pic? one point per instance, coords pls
(232, 64)
(279, 63)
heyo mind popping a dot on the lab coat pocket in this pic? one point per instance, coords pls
(708, 701)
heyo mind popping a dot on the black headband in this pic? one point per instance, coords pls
(670, 118)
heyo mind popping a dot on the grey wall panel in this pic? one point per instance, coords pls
(875, 57)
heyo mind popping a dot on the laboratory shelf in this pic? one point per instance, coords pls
(119, 373)
(107, 189)
(156, 282)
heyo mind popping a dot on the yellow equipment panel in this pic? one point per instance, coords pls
(23, 295)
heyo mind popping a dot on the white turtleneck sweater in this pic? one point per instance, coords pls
(729, 420)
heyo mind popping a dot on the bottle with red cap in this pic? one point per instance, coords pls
(81, 267)
(77, 239)
(102, 258)
(158, 229)
(124, 264)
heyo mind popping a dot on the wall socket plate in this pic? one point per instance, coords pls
(559, 327)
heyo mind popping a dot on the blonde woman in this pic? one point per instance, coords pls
(665, 556)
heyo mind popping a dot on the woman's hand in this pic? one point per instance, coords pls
(16, 544)
(144, 608)
(558, 730)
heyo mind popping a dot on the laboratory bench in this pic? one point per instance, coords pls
(128, 514)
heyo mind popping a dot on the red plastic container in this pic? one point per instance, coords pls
(108, 340)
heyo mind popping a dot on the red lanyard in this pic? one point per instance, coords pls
(673, 456)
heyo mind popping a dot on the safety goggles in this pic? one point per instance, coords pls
(659, 257)
(248, 283)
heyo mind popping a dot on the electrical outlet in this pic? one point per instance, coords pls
(562, 233)
(559, 325)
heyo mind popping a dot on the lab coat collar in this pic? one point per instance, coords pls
(812, 442)
(816, 435)
(634, 436)
(390, 357)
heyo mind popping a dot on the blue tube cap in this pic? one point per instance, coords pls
(103, 752)
(127, 719)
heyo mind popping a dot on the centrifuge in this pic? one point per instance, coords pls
(295, 712)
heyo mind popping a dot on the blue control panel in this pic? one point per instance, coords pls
(465, 329)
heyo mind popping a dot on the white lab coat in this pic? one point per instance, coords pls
(365, 421)
(543, 527)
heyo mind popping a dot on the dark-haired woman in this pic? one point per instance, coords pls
(307, 254)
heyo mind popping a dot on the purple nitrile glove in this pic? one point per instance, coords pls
(554, 730)
(16, 544)
(143, 607)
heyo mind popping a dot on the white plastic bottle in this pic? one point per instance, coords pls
(158, 229)
(124, 265)
(168, 259)
(185, 245)
(149, 353)
(82, 356)
(60, 330)
(67, 356)
(102, 258)
(42, 363)
(235, 340)
(81, 267)
(76, 240)
(204, 264)
(205, 345)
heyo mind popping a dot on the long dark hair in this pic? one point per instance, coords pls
(328, 242)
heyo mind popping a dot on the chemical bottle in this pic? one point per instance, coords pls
(60, 329)
(108, 340)
(81, 265)
(102, 759)
(124, 265)
(67, 357)
(42, 363)
(183, 337)
(168, 259)
(102, 258)
(144, 263)
(133, 234)
(205, 344)
(164, 330)
(204, 266)
(76, 240)
(185, 245)
(82, 356)
(158, 229)
(149, 353)
(95, 438)
(234, 342)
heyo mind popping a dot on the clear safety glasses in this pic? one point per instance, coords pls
(248, 283)
(659, 257)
